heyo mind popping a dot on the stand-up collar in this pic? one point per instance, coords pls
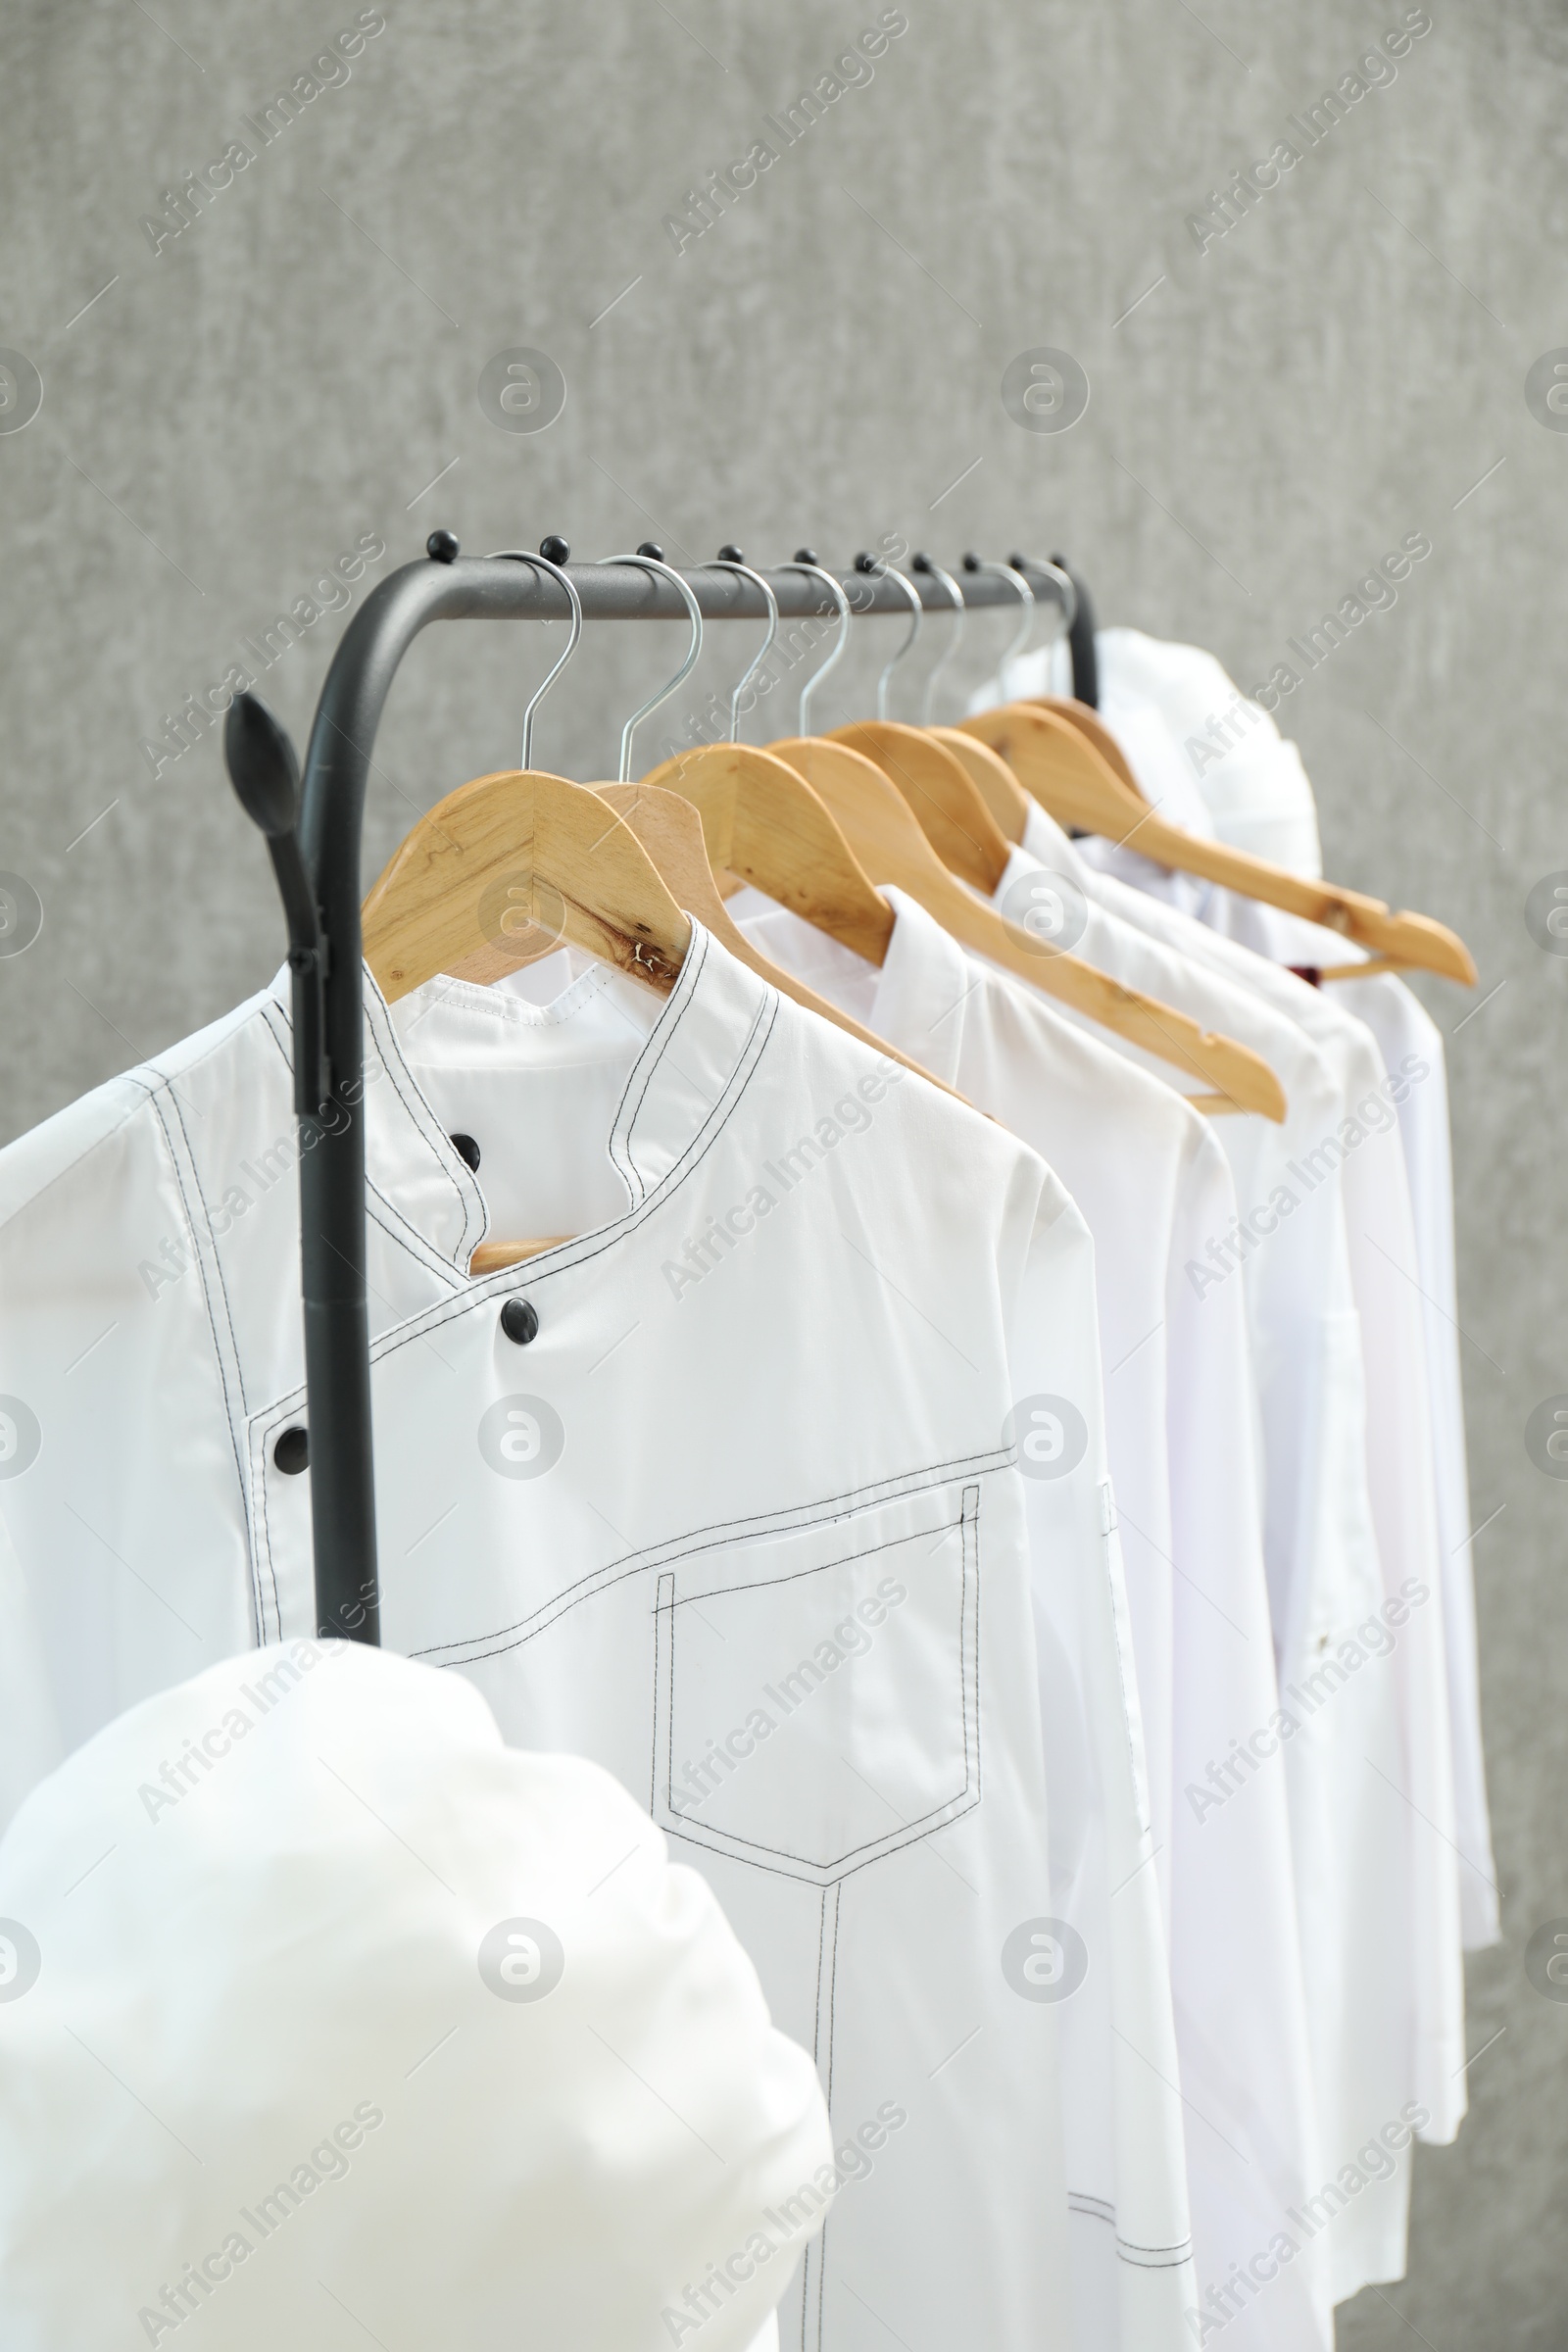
(685, 1052)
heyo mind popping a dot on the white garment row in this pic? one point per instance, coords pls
(987, 1560)
(1385, 1904)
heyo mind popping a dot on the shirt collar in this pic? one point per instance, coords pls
(915, 1000)
(692, 1047)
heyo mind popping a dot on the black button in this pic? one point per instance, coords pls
(292, 1452)
(467, 1148)
(519, 1321)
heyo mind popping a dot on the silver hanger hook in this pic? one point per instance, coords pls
(728, 559)
(806, 561)
(544, 562)
(959, 617)
(875, 570)
(1009, 571)
(650, 558)
(1063, 585)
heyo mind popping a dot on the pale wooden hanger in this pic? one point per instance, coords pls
(888, 840)
(499, 873)
(953, 813)
(672, 829)
(760, 822)
(1058, 760)
(992, 778)
(515, 864)
(508, 866)
(763, 822)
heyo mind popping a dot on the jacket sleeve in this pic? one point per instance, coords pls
(120, 1448)
(1126, 2162)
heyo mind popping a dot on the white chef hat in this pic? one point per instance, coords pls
(326, 2020)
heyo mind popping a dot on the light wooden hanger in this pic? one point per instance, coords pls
(987, 770)
(932, 766)
(505, 868)
(672, 830)
(887, 838)
(500, 872)
(763, 823)
(515, 864)
(1057, 759)
(952, 813)
(992, 778)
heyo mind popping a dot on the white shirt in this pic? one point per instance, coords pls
(1411, 1047)
(758, 1458)
(1250, 777)
(1260, 799)
(349, 2022)
(1411, 1042)
(1152, 1183)
(1356, 1870)
(1414, 1784)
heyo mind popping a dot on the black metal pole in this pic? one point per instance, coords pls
(1081, 640)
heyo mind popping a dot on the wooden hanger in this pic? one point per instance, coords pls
(671, 830)
(1090, 725)
(887, 839)
(761, 821)
(954, 815)
(992, 778)
(505, 868)
(1056, 761)
(500, 872)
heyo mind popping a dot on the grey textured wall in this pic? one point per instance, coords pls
(233, 412)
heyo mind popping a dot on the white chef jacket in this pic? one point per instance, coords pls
(1410, 1045)
(758, 1455)
(1416, 1783)
(1152, 1183)
(1408, 1039)
(1355, 1866)
(321, 1962)
(1260, 799)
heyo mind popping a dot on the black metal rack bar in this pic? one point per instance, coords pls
(326, 957)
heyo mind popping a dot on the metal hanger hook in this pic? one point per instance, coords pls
(543, 562)
(728, 559)
(806, 562)
(923, 563)
(875, 568)
(1009, 572)
(650, 559)
(1062, 581)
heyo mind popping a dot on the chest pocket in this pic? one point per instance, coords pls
(817, 1693)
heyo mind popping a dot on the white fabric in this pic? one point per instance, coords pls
(1411, 1041)
(1415, 1785)
(1152, 1183)
(1410, 1046)
(1354, 1860)
(1245, 799)
(1252, 780)
(1202, 749)
(266, 1901)
(29, 1734)
(771, 1400)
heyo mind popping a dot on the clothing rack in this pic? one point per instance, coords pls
(314, 837)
